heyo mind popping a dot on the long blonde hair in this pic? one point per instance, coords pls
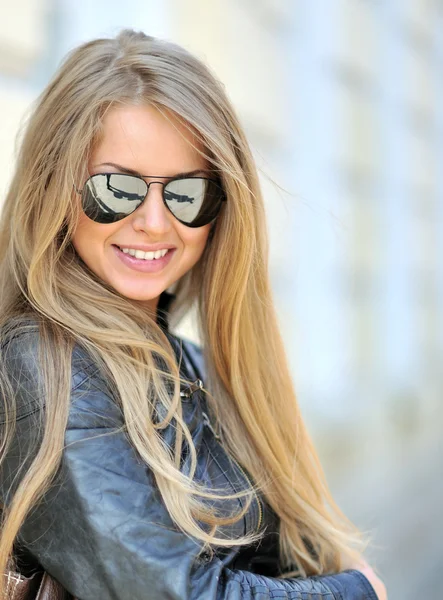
(250, 390)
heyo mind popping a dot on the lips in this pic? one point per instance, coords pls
(141, 264)
(147, 247)
(140, 254)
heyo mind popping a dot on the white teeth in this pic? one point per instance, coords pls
(145, 255)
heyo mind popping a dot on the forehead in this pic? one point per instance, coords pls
(147, 141)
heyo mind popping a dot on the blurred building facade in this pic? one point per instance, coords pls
(343, 105)
(368, 142)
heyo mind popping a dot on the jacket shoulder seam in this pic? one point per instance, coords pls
(37, 404)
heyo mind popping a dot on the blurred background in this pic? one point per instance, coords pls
(342, 102)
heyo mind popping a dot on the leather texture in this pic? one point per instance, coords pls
(18, 587)
(50, 589)
(102, 529)
(40, 586)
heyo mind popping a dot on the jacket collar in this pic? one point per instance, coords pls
(164, 303)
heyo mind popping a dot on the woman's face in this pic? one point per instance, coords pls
(142, 140)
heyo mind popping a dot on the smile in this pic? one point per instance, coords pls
(145, 255)
(144, 262)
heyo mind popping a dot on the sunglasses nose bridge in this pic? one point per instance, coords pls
(148, 186)
(152, 212)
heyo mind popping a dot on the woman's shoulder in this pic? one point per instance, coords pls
(21, 373)
(20, 348)
(18, 331)
(19, 343)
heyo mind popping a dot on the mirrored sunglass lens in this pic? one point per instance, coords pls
(109, 197)
(194, 201)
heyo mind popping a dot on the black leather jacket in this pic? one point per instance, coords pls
(102, 529)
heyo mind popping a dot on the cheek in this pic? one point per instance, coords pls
(83, 232)
(194, 240)
(88, 236)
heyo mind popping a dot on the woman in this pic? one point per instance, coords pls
(128, 471)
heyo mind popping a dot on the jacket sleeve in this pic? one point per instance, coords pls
(102, 529)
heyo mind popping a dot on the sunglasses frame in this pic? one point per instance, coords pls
(163, 184)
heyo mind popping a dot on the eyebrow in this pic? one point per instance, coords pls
(133, 172)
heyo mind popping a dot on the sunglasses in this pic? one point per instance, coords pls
(110, 197)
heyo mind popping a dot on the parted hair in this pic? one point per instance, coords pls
(249, 386)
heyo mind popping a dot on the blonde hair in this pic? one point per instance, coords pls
(249, 385)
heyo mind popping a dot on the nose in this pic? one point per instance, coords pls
(152, 216)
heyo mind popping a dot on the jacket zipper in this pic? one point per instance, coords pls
(193, 387)
(208, 424)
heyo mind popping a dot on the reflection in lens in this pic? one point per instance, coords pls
(193, 200)
(108, 197)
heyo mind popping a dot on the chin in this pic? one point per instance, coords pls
(138, 294)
